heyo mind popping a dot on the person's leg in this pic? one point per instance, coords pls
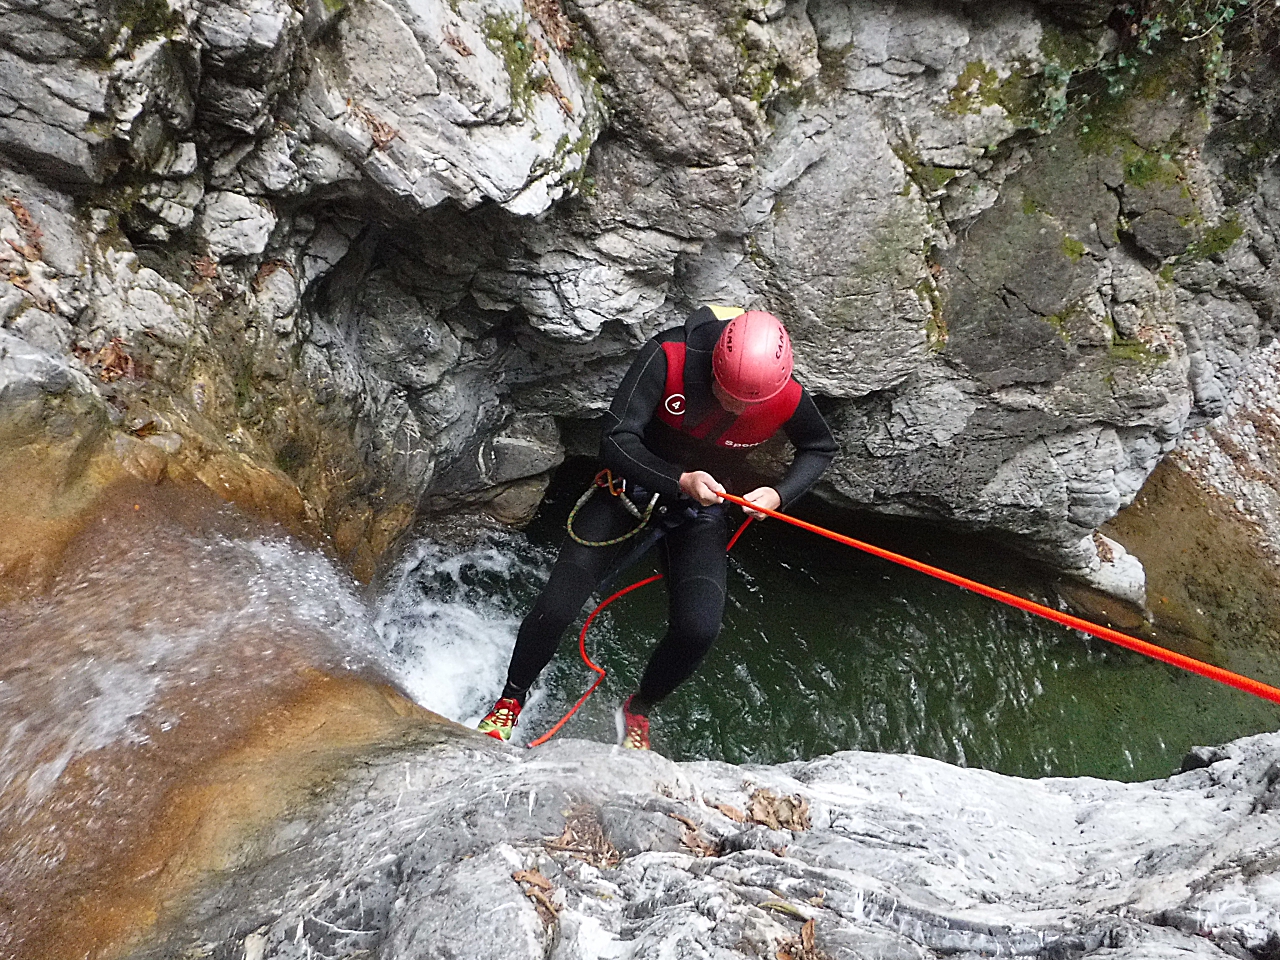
(577, 572)
(696, 570)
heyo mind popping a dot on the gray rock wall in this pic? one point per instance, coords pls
(387, 251)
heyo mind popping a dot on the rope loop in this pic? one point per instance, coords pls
(604, 481)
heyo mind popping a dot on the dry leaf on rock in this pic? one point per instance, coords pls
(803, 947)
(534, 877)
(112, 361)
(693, 840)
(31, 232)
(777, 812)
(732, 812)
(457, 43)
(380, 131)
(266, 270)
(538, 890)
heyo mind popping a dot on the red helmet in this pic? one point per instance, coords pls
(752, 359)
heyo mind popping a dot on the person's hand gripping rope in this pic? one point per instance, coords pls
(704, 488)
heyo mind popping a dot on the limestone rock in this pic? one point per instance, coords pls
(432, 104)
(399, 227)
(45, 115)
(249, 46)
(903, 856)
(235, 226)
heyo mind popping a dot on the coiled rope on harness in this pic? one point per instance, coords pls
(1190, 664)
(604, 481)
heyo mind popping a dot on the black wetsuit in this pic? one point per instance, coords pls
(652, 455)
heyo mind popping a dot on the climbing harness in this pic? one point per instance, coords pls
(604, 481)
(1190, 664)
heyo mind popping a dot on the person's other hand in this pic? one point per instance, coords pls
(766, 497)
(701, 486)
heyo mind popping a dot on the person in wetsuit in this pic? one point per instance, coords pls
(696, 399)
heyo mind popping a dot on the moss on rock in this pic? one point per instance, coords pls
(508, 37)
(1217, 239)
(977, 86)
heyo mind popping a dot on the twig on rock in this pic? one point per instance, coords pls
(584, 838)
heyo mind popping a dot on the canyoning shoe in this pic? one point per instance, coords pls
(633, 728)
(501, 720)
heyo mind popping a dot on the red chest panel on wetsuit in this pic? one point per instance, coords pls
(753, 426)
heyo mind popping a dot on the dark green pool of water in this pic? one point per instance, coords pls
(827, 649)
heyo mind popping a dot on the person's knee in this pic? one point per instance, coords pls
(698, 637)
(697, 615)
(556, 610)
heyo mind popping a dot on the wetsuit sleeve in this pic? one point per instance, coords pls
(815, 449)
(622, 447)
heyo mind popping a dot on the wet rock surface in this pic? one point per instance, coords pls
(1205, 524)
(156, 716)
(585, 850)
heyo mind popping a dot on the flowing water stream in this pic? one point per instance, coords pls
(823, 649)
(173, 625)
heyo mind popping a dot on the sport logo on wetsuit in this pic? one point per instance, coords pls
(675, 404)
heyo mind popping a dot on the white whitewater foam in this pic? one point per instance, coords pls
(448, 621)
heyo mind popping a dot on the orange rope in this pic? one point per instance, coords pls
(1247, 684)
(582, 649)
(582, 643)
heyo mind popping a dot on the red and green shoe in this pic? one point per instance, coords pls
(501, 720)
(633, 728)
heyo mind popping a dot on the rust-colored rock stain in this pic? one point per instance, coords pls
(209, 818)
(172, 679)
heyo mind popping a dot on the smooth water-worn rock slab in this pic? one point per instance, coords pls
(584, 850)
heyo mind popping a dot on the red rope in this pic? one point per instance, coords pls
(582, 643)
(1247, 684)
